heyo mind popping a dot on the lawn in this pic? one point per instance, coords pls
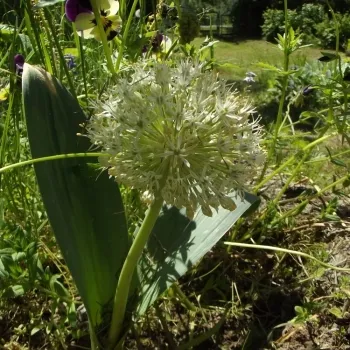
(237, 58)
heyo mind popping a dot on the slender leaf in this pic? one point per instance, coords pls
(45, 3)
(7, 34)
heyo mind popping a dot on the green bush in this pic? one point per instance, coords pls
(308, 16)
(304, 20)
(274, 23)
(306, 75)
(326, 32)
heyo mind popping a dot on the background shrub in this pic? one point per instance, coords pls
(274, 23)
(326, 33)
(312, 21)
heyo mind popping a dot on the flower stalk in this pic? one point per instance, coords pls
(128, 269)
(125, 35)
(49, 158)
(288, 251)
(103, 36)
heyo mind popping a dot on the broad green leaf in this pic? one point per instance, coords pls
(83, 205)
(178, 243)
(7, 34)
(328, 56)
(268, 67)
(14, 291)
(336, 312)
(57, 287)
(3, 273)
(207, 45)
(35, 330)
(45, 3)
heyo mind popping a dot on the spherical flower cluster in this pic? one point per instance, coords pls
(178, 132)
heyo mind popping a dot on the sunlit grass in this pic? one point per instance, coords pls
(236, 58)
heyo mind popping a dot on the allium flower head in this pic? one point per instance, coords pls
(178, 132)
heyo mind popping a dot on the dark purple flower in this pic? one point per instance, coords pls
(75, 7)
(308, 90)
(157, 40)
(19, 63)
(70, 60)
(159, 43)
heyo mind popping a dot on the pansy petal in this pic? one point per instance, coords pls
(104, 5)
(71, 9)
(114, 7)
(86, 34)
(19, 60)
(166, 43)
(85, 21)
(96, 33)
(110, 33)
(74, 7)
(116, 21)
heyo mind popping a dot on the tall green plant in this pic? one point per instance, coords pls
(87, 215)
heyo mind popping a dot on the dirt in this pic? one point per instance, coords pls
(258, 290)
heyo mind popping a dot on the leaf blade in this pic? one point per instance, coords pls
(84, 206)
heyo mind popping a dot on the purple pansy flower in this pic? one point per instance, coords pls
(70, 60)
(308, 90)
(19, 63)
(75, 7)
(161, 42)
(80, 12)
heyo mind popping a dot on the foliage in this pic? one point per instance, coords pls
(304, 20)
(309, 74)
(188, 24)
(312, 21)
(230, 297)
(274, 23)
(326, 31)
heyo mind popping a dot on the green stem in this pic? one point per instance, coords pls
(49, 158)
(32, 26)
(125, 35)
(49, 47)
(306, 201)
(127, 272)
(93, 338)
(272, 148)
(290, 179)
(79, 45)
(329, 158)
(285, 77)
(290, 160)
(103, 36)
(295, 252)
(183, 298)
(60, 53)
(296, 170)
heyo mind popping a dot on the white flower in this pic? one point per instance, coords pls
(249, 80)
(179, 131)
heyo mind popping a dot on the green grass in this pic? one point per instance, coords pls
(238, 58)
